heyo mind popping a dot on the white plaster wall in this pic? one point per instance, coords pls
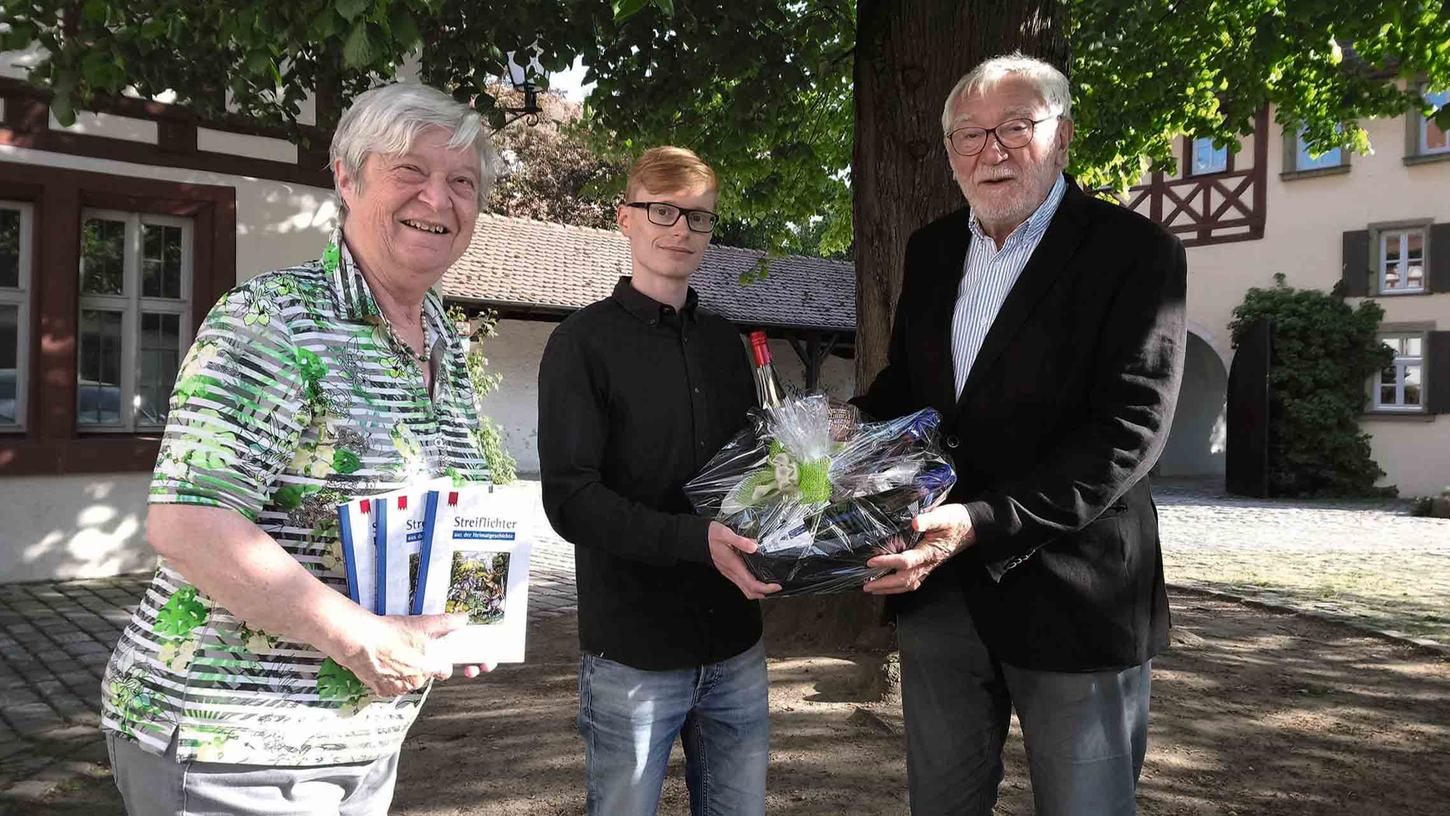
(278, 223)
(76, 526)
(17, 64)
(241, 144)
(1306, 220)
(110, 125)
(1303, 239)
(73, 526)
(1413, 453)
(514, 406)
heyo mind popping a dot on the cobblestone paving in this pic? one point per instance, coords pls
(55, 638)
(1366, 563)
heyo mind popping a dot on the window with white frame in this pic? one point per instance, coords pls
(1205, 158)
(1401, 384)
(15, 264)
(1402, 261)
(1433, 138)
(135, 293)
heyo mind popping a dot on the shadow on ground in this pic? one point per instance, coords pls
(1255, 712)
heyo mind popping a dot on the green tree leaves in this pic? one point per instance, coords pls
(350, 10)
(762, 89)
(1144, 72)
(358, 51)
(624, 9)
(1324, 353)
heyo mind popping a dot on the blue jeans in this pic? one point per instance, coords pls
(629, 719)
(1086, 733)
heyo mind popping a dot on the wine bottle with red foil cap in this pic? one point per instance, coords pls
(767, 385)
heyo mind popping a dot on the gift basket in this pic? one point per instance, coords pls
(819, 489)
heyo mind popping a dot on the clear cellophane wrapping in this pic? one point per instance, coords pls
(822, 491)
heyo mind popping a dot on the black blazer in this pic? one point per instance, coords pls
(1066, 408)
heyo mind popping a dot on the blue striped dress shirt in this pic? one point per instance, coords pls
(989, 276)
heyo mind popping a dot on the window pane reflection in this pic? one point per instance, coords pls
(160, 261)
(160, 357)
(1207, 158)
(103, 246)
(99, 386)
(9, 363)
(1412, 385)
(1305, 161)
(1436, 138)
(9, 248)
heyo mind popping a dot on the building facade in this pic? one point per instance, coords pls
(118, 233)
(1376, 225)
(116, 236)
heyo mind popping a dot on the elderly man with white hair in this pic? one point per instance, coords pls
(247, 682)
(1047, 327)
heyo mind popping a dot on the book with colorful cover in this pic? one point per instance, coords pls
(475, 559)
(381, 536)
(360, 564)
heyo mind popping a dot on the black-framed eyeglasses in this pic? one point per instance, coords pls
(665, 215)
(1011, 134)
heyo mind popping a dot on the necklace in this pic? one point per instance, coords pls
(423, 356)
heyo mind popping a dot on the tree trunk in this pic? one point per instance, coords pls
(909, 55)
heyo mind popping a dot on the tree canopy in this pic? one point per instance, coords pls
(761, 88)
(553, 173)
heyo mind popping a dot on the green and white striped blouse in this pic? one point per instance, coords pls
(295, 397)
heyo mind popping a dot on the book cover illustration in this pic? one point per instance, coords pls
(475, 560)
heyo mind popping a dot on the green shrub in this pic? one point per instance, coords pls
(1324, 354)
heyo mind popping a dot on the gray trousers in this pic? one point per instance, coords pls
(1086, 733)
(154, 785)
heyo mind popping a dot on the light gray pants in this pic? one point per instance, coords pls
(154, 785)
(1086, 732)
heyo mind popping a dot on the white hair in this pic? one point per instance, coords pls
(386, 120)
(1049, 81)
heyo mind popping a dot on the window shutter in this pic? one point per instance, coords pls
(1356, 272)
(1437, 372)
(1440, 258)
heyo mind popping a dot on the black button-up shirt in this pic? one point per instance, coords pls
(634, 398)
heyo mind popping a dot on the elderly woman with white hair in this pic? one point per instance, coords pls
(247, 681)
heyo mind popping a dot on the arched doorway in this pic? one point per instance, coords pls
(1199, 436)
